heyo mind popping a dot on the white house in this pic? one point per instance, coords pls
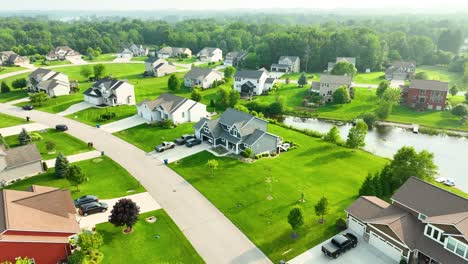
(210, 54)
(203, 77)
(62, 53)
(287, 64)
(250, 82)
(134, 50)
(170, 52)
(168, 106)
(110, 92)
(158, 67)
(48, 81)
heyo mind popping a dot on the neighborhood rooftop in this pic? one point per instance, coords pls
(429, 85)
(252, 74)
(340, 79)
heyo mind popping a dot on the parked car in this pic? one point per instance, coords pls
(164, 146)
(193, 142)
(28, 107)
(61, 128)
(183, 139)
(449, 182)
(93, 208)
(339, 245)
(85, 199)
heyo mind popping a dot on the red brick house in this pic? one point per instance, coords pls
(426, 95)
(37, 224)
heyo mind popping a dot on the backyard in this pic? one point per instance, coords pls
(107, 179)
(4, 69)
(8, 121)
(159, 242)
(101, 58)
(183, 60)
(257, 197)
(91, 116)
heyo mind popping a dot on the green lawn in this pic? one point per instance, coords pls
(13, 95)
(143, 58)
(207, 65)
(5, 69)
(241, 191)
(64, 143)
(142, 246)
(91, 116)
(292, 93)
(440, 73)
(102, 57)
(50, 63)
(107, 179)
(369, 78)
(146, 137)
(183, 61)
(315, 77)
(8, 121)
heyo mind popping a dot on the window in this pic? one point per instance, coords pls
(435, 235)
(442, 238)
(183, 114)
(422, 217)
(451, 244)
(461, 249)
(428, 231)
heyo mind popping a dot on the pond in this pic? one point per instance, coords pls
(450, 153)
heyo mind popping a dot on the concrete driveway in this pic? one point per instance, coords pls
(75, 108)
(179, 152)
(143, 200)
(123, 124)
(76, 60)
(121, 60)
(362, 254)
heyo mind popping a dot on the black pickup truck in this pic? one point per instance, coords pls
(339, 245)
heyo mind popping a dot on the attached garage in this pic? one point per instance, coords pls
(357, 226)
(385, 246)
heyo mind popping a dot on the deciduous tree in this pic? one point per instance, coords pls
(75, 176)
(212, 165)
(321, 208)
(295, 218)
(357, 135)
(341, 95)
(125, 212)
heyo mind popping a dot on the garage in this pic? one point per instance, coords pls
(356, 225)
(384, 246)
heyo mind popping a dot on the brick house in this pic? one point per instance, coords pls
(426, 95)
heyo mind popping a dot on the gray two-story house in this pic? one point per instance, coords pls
(237, 131)
(400, 70)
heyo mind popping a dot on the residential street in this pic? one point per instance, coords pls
(77, 157)
(15, 130)
(215, 238)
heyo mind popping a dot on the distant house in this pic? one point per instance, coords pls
(126, 53)
(174, 52)
(134, 51)
(236, 131)
(422, 224)
(10, 58)
(110, 92)
(19, 162)
(426, 94)
(328, 85)
(287, 64)
(400, 70)
(203, 77)
(48, 81)
(249, 82)
(210, 54)
(158, 67)
(37, 223)
(168, 106)
(233, 58)
(62, 53)
(350, 60)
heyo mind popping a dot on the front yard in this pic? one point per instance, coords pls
(183, 60)
(159, 242)
(91, 116)
(101, 58)
(257, 197)
(146, 137)
(8, 121)
(5, 69)
(107, 179)
(64, 143)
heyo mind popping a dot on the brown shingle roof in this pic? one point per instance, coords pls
(367, 207)
(429, 85)
(22, 155)
(167, 101)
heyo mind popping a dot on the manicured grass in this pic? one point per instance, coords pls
(143, 58)
(102, 57)
(50, 63)
(8, 121)
(292, 94)
(146, 137)
(369, 78)
(64, 143)
(183, 61)
(142, 246)
(5, 69)
(13, 95)
(91, 116)
(241, 191)
(441, 73)
(207, 65)
(107, 179)
(295, 76)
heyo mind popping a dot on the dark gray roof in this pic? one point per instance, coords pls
(270, 80)
(39, 73)
(252, 138)
(234, 117)
(196, 73)
(151, 59)
(249, 74)
(405, 64)
(22, 155)
(167, 101)
(108, 84)
(292, 58)
(338, 79)
(429, 85)
(236, 54)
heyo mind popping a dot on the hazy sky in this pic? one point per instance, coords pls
(460, 5)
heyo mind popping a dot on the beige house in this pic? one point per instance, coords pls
(158, 67)
(19, 162)
(172, 52)
(328, 85)
(210, 54)
(203, 77)
(62, 53)
(10, 58)
(48, 81)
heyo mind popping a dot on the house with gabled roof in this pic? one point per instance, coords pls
(10, 58)
(426, 94)
(19, 162)
(209, 54)
(400, 70)
(62, 53)
(287, 64)
(249, 82)
(237, 131)
(174, 52)
(202, 77)
(110, 92)
(233, 58)
(172, 107)
(50, 82)
(37, 223)
(158, 67)
(422, 224)
(328, 85)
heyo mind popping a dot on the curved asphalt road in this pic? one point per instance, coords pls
(215, 238)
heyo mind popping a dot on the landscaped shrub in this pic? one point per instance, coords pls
(165, 124)
(248, 152)
(35, 136)
(44, 166)
(107, 116)
(340, 224)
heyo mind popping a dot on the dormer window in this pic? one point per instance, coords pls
(422, 216)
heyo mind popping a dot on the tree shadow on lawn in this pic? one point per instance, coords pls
(329, 158)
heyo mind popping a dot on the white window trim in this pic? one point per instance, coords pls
(456, 246)
(441, 232)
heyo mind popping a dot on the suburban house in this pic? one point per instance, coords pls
(37, 223)
(233, 58)
(10, 58)
(126, 53)
(134, 51)
(203, 77)
(173, 52)
(210, 55)
(168, 106)
(19, 162)
(158, 67)
(423, 224)
(351, 60)
(328, 85)
(110, 92)
(287, 64)
(48, 81)
(249, 82)
(400, 70)
(236, 131)
(426, 94)
(62, 53)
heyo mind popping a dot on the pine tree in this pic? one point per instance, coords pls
(24, 137)
(302, 80)
(173, 83)
(62, 166)
(5, 88)
(367, 188)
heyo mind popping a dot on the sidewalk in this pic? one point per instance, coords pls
(15, 130)
(75, 158)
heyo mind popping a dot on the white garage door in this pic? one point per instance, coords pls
(384, 246)
(356, 226)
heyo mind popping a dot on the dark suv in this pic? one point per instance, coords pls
(61, 128)
(85, 199)
(92, 208)
(193, 142)
(339, 245)
(183, 139)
